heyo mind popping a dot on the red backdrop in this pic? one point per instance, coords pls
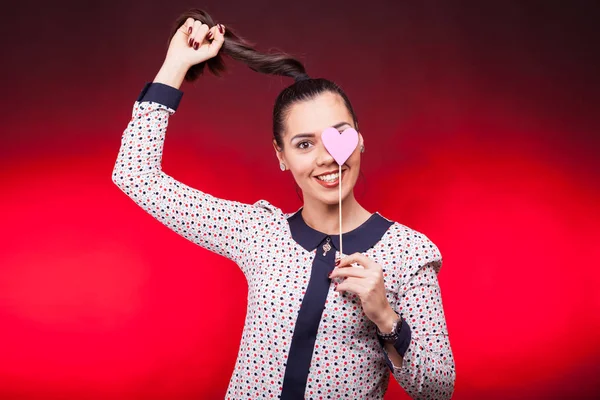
(480, 121)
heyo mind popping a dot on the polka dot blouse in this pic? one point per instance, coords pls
(301, 338)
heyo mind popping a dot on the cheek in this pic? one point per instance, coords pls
(354, 162)
(301, 166)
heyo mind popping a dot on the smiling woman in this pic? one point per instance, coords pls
(326, 332)
(300, 148)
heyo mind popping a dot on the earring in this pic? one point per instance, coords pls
(362, 148)
(282, 166)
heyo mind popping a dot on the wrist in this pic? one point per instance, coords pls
(385, 325)
(172, 73)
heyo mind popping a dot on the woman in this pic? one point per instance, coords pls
(305, 335)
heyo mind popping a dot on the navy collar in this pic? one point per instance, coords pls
(359, 239)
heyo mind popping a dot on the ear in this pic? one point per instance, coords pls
(361, 140)
(278, 151)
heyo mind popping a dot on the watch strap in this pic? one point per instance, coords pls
(393, 335)
(403, 340)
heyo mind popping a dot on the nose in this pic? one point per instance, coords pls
(323, 156)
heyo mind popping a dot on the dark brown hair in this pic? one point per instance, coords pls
(273, 63)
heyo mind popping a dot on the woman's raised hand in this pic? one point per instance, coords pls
(194, 42)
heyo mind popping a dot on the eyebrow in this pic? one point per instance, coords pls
(312, 135)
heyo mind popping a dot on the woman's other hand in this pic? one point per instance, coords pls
(368, 284)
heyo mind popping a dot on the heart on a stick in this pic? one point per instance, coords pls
(340, 145)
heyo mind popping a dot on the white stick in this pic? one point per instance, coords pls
(340, 196)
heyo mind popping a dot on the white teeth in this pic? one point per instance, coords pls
(328, 178)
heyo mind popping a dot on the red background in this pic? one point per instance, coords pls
(481, 130)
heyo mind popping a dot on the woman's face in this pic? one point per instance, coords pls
(313, 168)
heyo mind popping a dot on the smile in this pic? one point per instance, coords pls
(330, 179)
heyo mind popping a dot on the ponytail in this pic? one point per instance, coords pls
(239, 49)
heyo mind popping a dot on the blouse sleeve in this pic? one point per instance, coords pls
(221, 226)
(427, 370)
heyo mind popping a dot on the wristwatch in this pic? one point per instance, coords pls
(393, 336)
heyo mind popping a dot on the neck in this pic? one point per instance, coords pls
(326, 217)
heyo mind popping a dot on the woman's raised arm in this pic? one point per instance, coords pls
(219, 225)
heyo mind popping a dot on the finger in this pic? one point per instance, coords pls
(187, 26)
(350, 286)
(198, 33)
(358, 258)
(210, 35)
(195, 28)
(346, 272)
(218, 39)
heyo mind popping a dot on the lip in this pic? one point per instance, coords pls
(329, 185)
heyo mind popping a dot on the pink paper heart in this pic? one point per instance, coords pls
(340, 145)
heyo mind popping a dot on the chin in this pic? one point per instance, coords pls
(331, 199)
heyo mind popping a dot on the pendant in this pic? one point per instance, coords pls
(326, 247)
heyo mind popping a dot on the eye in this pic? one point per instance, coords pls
(303, 145)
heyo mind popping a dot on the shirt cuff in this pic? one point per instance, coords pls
(401, 345)
(162, 94)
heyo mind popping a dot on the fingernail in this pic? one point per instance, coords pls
(190, 29)
(191, 41)
(337, 262)
(210, 35)
(220, 28)
(196, 46)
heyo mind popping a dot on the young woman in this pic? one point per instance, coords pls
(305, 335)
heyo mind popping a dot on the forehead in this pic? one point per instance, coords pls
(314, 115)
